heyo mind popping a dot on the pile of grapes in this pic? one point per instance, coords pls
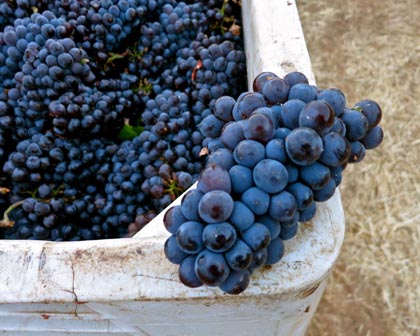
(272, 155)
(99, 106)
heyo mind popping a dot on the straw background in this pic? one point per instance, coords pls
(371, 49)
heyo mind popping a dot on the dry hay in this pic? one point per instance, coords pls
(371, 49)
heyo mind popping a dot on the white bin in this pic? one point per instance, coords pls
(127, 287)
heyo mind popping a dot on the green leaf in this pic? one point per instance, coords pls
(129, 132)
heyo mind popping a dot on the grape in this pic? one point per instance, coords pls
(371, 110)
(211, 268)
(326, 192)
(214, 177)
(248, 103)
(211, 126)
(308, 213)
(303, 92)
(186, 272)
(219, 237)
(289, 232)
(173, 252)
(261, 79)
(283, 206)
(189, 205)
(239, 257)
(304, 146)
(275, 251)
(248, 153)
(215, 206)
(188, 237)
(257, 236)
(302, 193)
(316, 175)
(256, 200)
(335, 98)
(275, 90)
(336, 150)
(290, 113)
(236, 282)
(295, 77)
(223, 108)
(268, 112)
(272, 225)
(337, 174)
(317, 115)
(373, 137)
(242, 217)
(258, 259)
(275, 149)
(232, 134)
(241, 178)
(356, 124)
(358, 152)
(258, 127)
(270, 176)
(221, 157)
(282, 132)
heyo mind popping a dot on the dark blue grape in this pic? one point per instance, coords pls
(302, 193)
(315, 176)
(186, 272)
(242, 217)
(303, 92)
(275, 149)
(317, 115)
(295, 77)
(219, 237)
(241, 178)
(289, 232)
(270, 176)
(290, 113)
(222, 157)
(373, 137)
(308, 213)
(189, 237)
(258, 127)
(211, 268)
(275, 90)
(239, 257)
(358, 152)
(261, 79)
(356, 124)
(283, 206)
(215, 206)
(371, 110)
(275, 251)
(304, 146)
(248, 153)
(223, 108)
(189, 204)
(172, 251)
(257, 236)
(232, 134)
(326, 192)
(256, 200)
(236, 282)
(214, 177)
(272, 225)
(336, 150)
(335, 98)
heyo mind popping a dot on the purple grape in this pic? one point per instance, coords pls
(236, 282)
(214, 177)
(211, 268)
(219, 237)
(215, 206)
(189, 237)
(283, 206)
(239, 257)
(336, 150)
(248, 153)
(275, 251)
(373, 137)
(186, 272)
(371, 110)
(304, 146)
(270, 176)
(242, 217)
(256, 200)
(317, 115)
(257, 236)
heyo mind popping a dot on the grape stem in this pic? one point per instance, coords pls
(6, 222)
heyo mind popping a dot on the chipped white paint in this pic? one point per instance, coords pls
(127, 287)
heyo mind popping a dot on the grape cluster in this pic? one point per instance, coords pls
(274, 153)
(99, 107)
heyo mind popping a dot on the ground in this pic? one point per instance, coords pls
(371, 49)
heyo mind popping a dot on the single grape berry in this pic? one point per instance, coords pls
(215, 206)
(317, 115)
(304, 146)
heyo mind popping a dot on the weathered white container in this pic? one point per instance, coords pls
(127, 287)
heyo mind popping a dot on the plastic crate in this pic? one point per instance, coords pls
(127, 287)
